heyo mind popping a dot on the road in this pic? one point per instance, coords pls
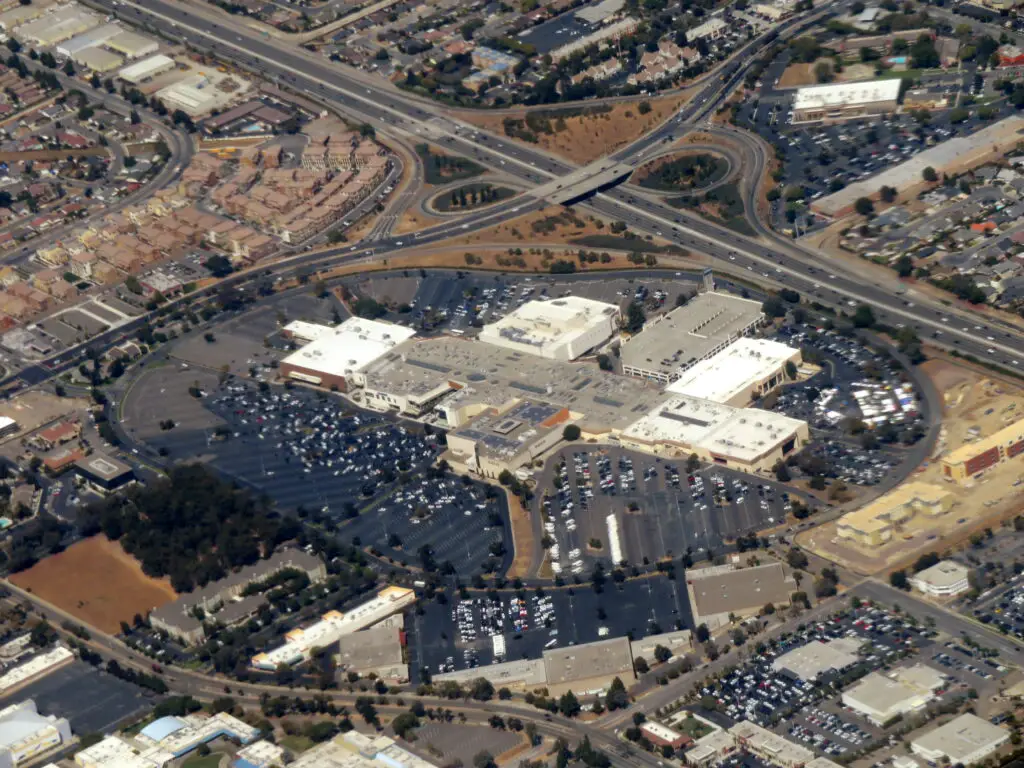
(947, 621)
(779, 262)
(209, 687)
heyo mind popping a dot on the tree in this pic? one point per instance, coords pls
(929, 175)
(484, 759)
(367, 131)
(481, 689)
(616, 697)
(863, 206)
(219, 266)
(635, 317)
(662, 654)
(568, 704)
(864, 317)
(796, 558)
(640, 665)
(404, 725)
(822, 72)
(790, 369)
(571, 433)
(888, 194)
(773, 307)
(904, 265)
(899, 580)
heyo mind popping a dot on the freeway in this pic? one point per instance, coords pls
(780, 262)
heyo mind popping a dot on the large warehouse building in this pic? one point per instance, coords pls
(744, 371)
(952, 156)
(845, 101)
(883, 698)
(97, 59)
(967, 462)
(817, 658)
(93, 37)
(747, 439)
(678, 340)
(132, 45)
(721, 591)
(143, 70)
(561, 329)
(332, 359)
(965, 740)
(58, 25)
(583, 669)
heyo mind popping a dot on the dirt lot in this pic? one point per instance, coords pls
(413, 220)
(972, 401)
(585, 138)
(797, 76)
(34, 409)
(96, 581)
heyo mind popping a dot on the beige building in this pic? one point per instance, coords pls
(374, 651)
(500, 440)
(875, 524)
(966, 463)
(720, 592)
(882, 698)
(747, 439)
(844, 101)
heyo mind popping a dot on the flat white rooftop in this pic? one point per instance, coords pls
(300, 329)
(743, 434)
(809, 661)
(334, 624)
(354, 345)
(847, 94)
(943, 574)
(539, 325)
(146, 68)
(961, 739)
(724, 376)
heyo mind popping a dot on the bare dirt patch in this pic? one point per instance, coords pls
(522, 535)
(98, 582)
(588, 137)
(413, 220)
(797, 75)
(34, 409)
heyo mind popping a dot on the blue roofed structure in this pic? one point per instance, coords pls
(160, 729)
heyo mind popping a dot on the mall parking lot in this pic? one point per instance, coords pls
(457, 633)
(658, 508)
(461, 524)
(371, 477)
(1005, 612)
(808, 710)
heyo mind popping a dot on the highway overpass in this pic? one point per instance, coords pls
(584, 182)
